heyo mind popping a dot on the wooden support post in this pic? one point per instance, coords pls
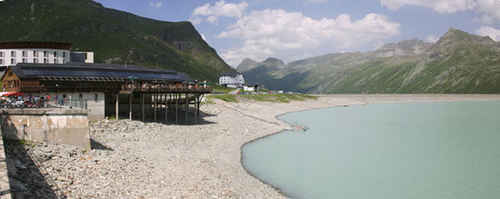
(142, 107)
(166, 107)
(196, 107)
(163, 108)
(117, 106)
(186, 107)
(177, 108)
(199, 101)
(154, 105)
(130, 106)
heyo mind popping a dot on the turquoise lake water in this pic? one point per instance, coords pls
(385, 151)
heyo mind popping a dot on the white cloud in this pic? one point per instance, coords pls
(493, 33)
(156, 4)
(218, 9)
(488, 9)
(441, 6)
(432, 38)
(196, 20)
(292, 35)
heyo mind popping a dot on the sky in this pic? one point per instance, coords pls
(295, 29)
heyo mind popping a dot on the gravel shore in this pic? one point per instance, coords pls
(132, 159)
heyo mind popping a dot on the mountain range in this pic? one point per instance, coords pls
(116, 37)
(458, 62)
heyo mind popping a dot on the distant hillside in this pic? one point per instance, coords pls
(115, 36)
(458, 63)
(246, 65)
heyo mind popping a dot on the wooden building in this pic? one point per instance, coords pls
(110, 90)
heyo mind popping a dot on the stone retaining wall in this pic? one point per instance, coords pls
(4, 177)
(54, 126)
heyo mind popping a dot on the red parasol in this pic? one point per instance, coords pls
(8, 94)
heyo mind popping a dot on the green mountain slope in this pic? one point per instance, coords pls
(115, 36)
(458, 63)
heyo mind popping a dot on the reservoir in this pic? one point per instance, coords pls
(447, 150)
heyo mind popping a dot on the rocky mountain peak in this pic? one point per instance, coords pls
(403, 48)
(248, 61)
(273, 61)
(246, 65)
(457, 36)
(456, 39)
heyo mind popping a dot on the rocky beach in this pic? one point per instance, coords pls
(132, 159)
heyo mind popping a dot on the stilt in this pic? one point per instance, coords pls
(196, 107)
(166, 107)
(142, 107)
(155, 105)
(186, 107)
(177, 109)
(130, 106)
(117, 106)
(163, 108)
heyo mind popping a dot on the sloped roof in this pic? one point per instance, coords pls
(95, 72)
(230, 74)
(34, 44)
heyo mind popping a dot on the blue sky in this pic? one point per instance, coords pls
(296, 29)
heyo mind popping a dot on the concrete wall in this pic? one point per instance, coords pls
(56, 126)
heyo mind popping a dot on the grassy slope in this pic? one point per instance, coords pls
(115, 36)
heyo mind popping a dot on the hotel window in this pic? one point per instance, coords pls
(45, 54)
(45, 61)
(55, 61)
(25, 53)
(24, 60)
(35, 53)
(13, 53)
(55, 54)
(12, 61)
(1, 54)
(64, 54)
(1, 61)
(35, 61)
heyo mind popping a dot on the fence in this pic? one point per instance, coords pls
(42, 102)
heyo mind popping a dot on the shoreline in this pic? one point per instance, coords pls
(277, 117)
(154, 160)
(276, 133)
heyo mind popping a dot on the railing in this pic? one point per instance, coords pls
(40, 102)
(179, 88)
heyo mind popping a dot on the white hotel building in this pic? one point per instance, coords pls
(233, 80)
(12, 53)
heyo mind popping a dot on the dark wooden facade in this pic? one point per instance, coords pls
(163, 89)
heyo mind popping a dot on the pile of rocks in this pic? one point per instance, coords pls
(60, 171)
(26, 178)
(132, 159)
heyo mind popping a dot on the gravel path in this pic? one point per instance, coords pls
(132, 159)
